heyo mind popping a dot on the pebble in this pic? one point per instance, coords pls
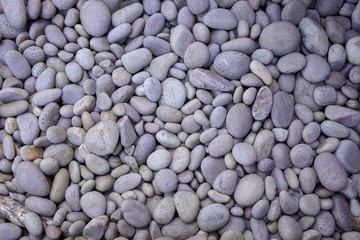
(205, 79)
(166, 180)
(263, 104)
(316, 69)
(283, 110)
(325, 223)
(302, 155)
(220, 145)
(213, 217)
(289, 228)
(180, 40)
(291, 63)
(15, 12)
(223, 19)
(187, 205)
(173, 93)
(127, 182)
(177, 229)
(314, 36)
(10, 230)
(18, 64)
(135, 213)
(239, 114)
(159, 67)
(280, 37)
(95, 18)
(328, 168)
(93, 204)
(164, 211)
(136, 60)
(226, 182)
(346, 116)
(31, 179)
(244, 154)
(342, 215)
(95, 229)
(33, 224)
(107, 132)
(348, 154)
(352, 50)
(196, 55)
(243, 196)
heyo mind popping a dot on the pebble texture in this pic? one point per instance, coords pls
(206, 119)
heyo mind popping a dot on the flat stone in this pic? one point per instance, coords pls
(135, 213)
(213, 217)
(249, 190)
(328, 168)
(206, 79)
(32, 180)
(187, 205)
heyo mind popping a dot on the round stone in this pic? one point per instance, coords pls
(232, 64)
(31, 179)
(280, 37)
(244, 154)
(213, 217)
(289, 228)
(316, 69)
(330, 172)
(249, 190)
(348, 154)
(353, 50)
(173, 94)
(239, 115)
(93, 204)
(95, 17)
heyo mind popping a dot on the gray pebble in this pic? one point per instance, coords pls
(314, 36)
(243, 196)
(222, 66)
(93, 204)
(280, 37)
(41, 206)
(316, 69)
(289, 228)
(135, 213)
(291, 63)
(283, 110)
(187, 205)
(33, 224)
(127, 182)
(18, 64)
(206, 220)
(95, 18)
(10, 230)
(219, 18)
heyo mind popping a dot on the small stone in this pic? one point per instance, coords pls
(102, 138)
(280, 37)
(328, 168)
(177, 229)
(187, 205)
(32, 180)
(316, 69)
(352, 50)
(220, 145)
(261, 71)
(10, 230)
(180, 40)
(219, 18)
(136, 60)
(95, 229)
(246, 197)
(226, 182)
(95, 18)
(314, 36)
(283, 110)
(135, 213)
(18, 64)
(291, 63)
(232, 64)
(342, 215)
(173, 93)
(263, 104)
(166, 180)
(93, 204)
(244, 154)
(206, 79)
(348, 154)
(213, 217)
(289, 228)
(239, 115)
(127, 182)
(33, 224)
(196, 55)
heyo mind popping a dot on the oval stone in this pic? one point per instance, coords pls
(280, 37)
(213, 217)
(31, 179)
(249, 190)
(283, 110)
(263, 104)
(328, 168)
(95, 17)
(239, 120)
